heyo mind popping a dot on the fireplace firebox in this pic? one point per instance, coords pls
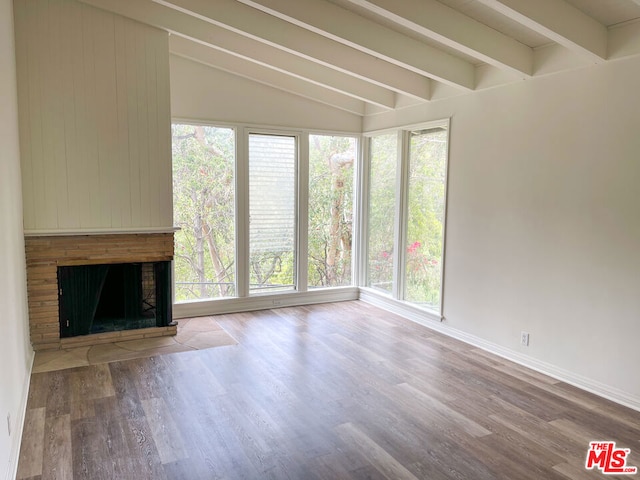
(113, 297)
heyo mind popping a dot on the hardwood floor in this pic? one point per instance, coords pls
(336, 391)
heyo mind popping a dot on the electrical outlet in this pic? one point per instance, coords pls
(524, 339)
(9, 423)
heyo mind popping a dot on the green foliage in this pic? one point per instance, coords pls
(426, 205)
(203, 189)
(382, 201)
(204, 195)
(425, 214)
(203, 185)
(331, 177)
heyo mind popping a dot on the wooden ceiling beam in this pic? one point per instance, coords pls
(273, 32)
(456, 30)
(264, 19)
(559, 21)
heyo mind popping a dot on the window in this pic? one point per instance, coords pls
(261, 213)
(382, 205)
(272, 212)
(407, 207)
(203, 201)
(425, 216)
(332, 162)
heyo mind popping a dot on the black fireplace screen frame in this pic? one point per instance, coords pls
(89, 292)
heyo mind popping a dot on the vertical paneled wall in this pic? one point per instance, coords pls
(94, 119)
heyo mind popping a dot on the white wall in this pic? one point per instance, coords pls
(543, 229)
(16, 354)
(95, 119)
(199, 92)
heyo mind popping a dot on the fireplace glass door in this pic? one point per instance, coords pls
(107, 298)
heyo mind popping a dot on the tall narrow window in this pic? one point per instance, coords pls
(425, 216)
(203, 201)
(331, 167)
(382, 204)
(272, 213)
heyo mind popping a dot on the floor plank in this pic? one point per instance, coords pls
(32, 447)
(57, 458)
(333, 391)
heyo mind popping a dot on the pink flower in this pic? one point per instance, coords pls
(413, 247)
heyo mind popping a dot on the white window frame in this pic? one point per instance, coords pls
(245, 301)
(302, 164)
(236, 129)
(356, 243)
(395, 300)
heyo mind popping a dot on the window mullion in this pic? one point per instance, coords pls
(302, 263)
(242, 212)
(400, 226)
(360, 265)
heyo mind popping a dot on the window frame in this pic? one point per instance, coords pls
(297, 207)
(235, 129)
(302, 295)
(244, 300)
(401, 216)
(366, 192)
(356, 203)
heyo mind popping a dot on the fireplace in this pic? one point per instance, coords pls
(132, 293)
(113, 297)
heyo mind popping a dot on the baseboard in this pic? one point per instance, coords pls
(401, 308)
(433, 322)
(12, 468)
(263, 302)
(602, 390)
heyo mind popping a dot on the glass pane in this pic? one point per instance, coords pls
(331, 167)
(382, 200)
(425, 220)
(272, 211)
(203, 206)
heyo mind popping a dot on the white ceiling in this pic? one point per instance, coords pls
(367, 56)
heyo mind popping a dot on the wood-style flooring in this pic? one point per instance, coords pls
(335, 391)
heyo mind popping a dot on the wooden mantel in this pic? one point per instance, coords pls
(45, 253)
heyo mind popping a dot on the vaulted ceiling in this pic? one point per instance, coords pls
(368, 56)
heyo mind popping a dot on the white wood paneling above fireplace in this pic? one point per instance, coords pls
(94, 119)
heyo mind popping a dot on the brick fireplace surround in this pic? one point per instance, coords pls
(45, 254)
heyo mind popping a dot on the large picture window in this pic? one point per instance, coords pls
(383, 163)
(240, 233)
(203, 205)
(272, 212)
(332, 161)
(427, 172)
(406, 207)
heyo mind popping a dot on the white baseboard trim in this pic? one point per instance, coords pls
(433, 322)
(263, 302)
(405, 309)
(12, 468)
